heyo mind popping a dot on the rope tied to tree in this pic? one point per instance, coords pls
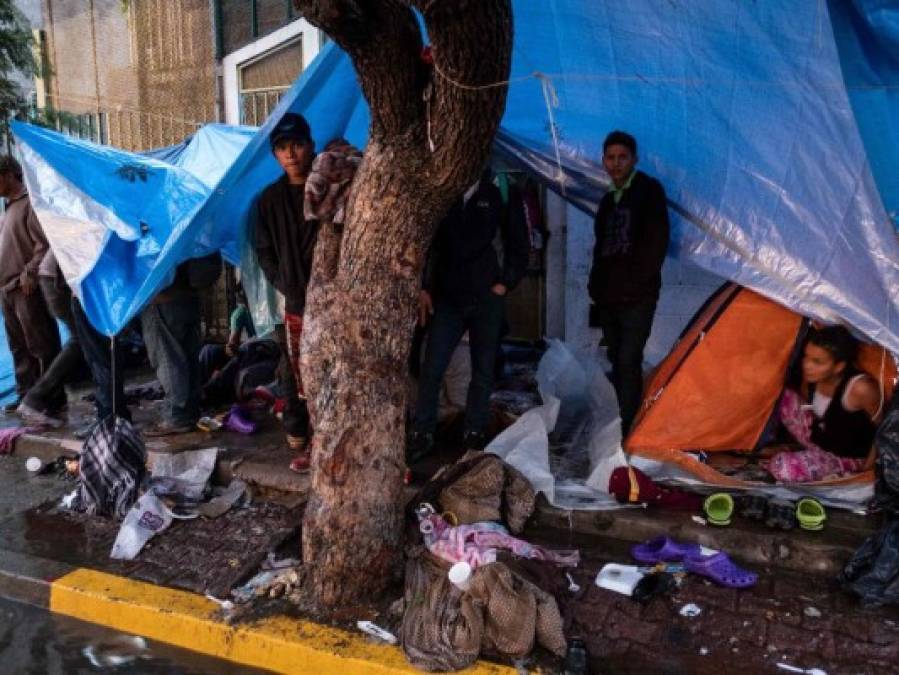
(550, 99)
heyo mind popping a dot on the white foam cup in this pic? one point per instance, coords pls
(34, 464)
(460, 575)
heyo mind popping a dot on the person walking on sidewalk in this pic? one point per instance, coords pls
(285, 244)
(479, 254)
(47, 398)
(30, 330)
(631, 230)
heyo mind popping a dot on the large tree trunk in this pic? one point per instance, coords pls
(361, 304)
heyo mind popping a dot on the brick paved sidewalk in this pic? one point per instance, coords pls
(790, 618)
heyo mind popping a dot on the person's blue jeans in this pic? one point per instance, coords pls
(98, 353)
(483, 320)
(626, 329)
(173, 337)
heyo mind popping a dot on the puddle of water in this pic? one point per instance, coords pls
(33, 640)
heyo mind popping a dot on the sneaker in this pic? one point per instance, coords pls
(11, 408)
(168, 429)
(301, 462)
(474, 440)
(37, 417)
(418, 446)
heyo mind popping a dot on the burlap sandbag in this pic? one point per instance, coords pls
(489, 490)
(476, 495)
(442, 627)
(515, 613)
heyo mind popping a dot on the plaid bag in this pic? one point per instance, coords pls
(112, 467)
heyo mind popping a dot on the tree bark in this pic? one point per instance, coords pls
(362, 301)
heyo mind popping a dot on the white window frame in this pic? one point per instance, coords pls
(233, 62)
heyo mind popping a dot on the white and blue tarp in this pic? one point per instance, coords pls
(762, 120)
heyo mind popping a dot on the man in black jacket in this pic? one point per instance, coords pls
(285, 243)
(467, 280)
(631, 230)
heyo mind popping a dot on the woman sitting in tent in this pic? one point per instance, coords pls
(831, 410)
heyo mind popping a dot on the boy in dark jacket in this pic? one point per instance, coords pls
(285, 243)
(631, 230)
(467, 281)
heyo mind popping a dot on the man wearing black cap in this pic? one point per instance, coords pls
(285, 243)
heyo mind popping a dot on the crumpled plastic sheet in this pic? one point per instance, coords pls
(568, 446)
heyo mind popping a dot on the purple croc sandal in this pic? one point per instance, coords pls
(662, 549)
(721, 569)
(237, 420)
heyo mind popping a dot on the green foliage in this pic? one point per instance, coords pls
(15, 55)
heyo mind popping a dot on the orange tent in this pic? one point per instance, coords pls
(718, 388)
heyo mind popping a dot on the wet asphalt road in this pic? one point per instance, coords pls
(33, 641)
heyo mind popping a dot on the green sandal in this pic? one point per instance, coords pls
(718, 508)
(810, 514)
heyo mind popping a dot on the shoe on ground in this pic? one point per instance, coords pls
(11, 408)
(35, 416)
(474, 440)
(301, 463)
(168, 429)
(418, 446)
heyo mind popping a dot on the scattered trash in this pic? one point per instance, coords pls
(376, 631)
(703, 651)
(270, 563)
(572, 586)
(118, 651)
(208, 424)
(812, 612)
(8, 438)
(68, 501)
(223, 499)
(226, 605)
(34, 465)
(460, 576)
(806, 671)
(690, 610)
(268, 584)
(699, 520)
(652, 585)
(72, 467)
(619, 578)
(189, 470)
(575, 658)
(148, 517)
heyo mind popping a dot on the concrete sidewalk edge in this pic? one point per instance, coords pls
(280, 644)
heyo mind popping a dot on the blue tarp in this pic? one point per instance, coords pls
(867, 34)
(741, 109)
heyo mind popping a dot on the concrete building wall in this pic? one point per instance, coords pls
(685, 287)
(147, 67)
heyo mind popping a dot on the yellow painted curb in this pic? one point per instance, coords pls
(187, 620)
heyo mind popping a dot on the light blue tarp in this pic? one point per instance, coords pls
(740, 109)
(867, 34)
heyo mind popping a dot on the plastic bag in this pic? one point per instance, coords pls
(147, 518)
(579, 422)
